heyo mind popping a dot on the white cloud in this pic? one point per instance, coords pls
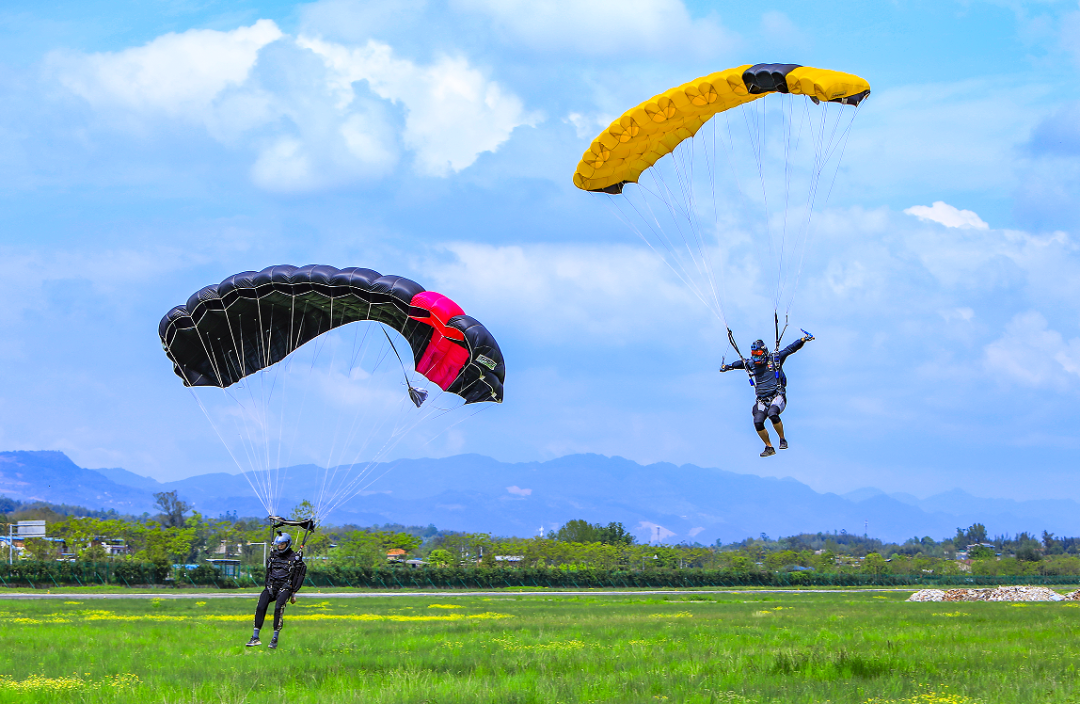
(1033, 354)
(947, 215)
(294, 104)
(657, 532)
(965, 135)
(590, 290)
(588, 126)
(603, 26)
(177, 74)
(1070, 34)
(283, 166)
(519, 491)
(453, 112)
(957, 314)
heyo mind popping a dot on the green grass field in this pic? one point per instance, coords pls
(785, 648)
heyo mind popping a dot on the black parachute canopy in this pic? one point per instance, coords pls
(254, 319)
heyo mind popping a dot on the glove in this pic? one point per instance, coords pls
(292, 598)
(724, 368)
(807, 338)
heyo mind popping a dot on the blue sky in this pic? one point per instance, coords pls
(152, 148)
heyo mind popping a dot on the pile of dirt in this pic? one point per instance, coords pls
(994, 594)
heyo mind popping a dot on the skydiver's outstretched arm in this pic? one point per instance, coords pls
(737, 364)
(793, 347)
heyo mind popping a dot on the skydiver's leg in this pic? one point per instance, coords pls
(260, 611)
(760, 411)
(260, 615)
(779, 431)
(775, 409)
(279, 614)
(279, 608)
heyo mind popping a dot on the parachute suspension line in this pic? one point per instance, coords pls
(287, 363)
(264, 355)
(745, 361)
(665, 195)
(359, 353)
(333, 358)
(756, 137)
(707, 267)
(799, 240)
(407, 422)
(247, 431)
(417, 396)
(710, 162)
(209, 418)
(672, 263)
(684, 171)
(339, 417)
(343, 491)
(391, 467)
(359, 346)
(229, 450)
(842, 144)
(269, 398)
(401, 429)
(273, 469)
(786, 107)
(358, 420)
(293, 345)
(207, 350)
(321, 343)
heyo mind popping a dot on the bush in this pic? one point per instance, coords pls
(203, 574)
(132, 572)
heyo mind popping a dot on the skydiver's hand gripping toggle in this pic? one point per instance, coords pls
(806, 336)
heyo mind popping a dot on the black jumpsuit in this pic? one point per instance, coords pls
(284, 576)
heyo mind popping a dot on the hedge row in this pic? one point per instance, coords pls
(129, 573)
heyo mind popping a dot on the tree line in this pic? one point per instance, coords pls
(179, 535)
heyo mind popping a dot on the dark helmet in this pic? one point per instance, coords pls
(759, 353)
(282, 542)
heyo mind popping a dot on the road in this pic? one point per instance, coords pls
(439, 594)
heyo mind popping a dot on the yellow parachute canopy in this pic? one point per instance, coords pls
(643, 134)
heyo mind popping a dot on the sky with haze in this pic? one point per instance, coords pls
(150, 148)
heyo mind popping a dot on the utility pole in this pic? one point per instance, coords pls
(10, 545)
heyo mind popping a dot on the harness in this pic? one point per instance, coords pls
(772, 360)
(308, 526)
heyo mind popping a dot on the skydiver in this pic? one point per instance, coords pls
(285, 571)
(770, 386)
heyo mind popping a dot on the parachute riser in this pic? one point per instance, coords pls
(779, 336)
(417, 396)
(745, 361)
(307, 525)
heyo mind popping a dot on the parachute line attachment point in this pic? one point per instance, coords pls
(417, 396)
(745, 361)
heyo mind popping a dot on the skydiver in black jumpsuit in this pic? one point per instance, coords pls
(770, 386)
(285, 571)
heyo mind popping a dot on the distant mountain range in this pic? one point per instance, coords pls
(474, 493)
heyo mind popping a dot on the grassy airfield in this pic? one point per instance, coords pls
(744, 648)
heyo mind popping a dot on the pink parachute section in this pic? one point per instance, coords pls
(443, 358)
